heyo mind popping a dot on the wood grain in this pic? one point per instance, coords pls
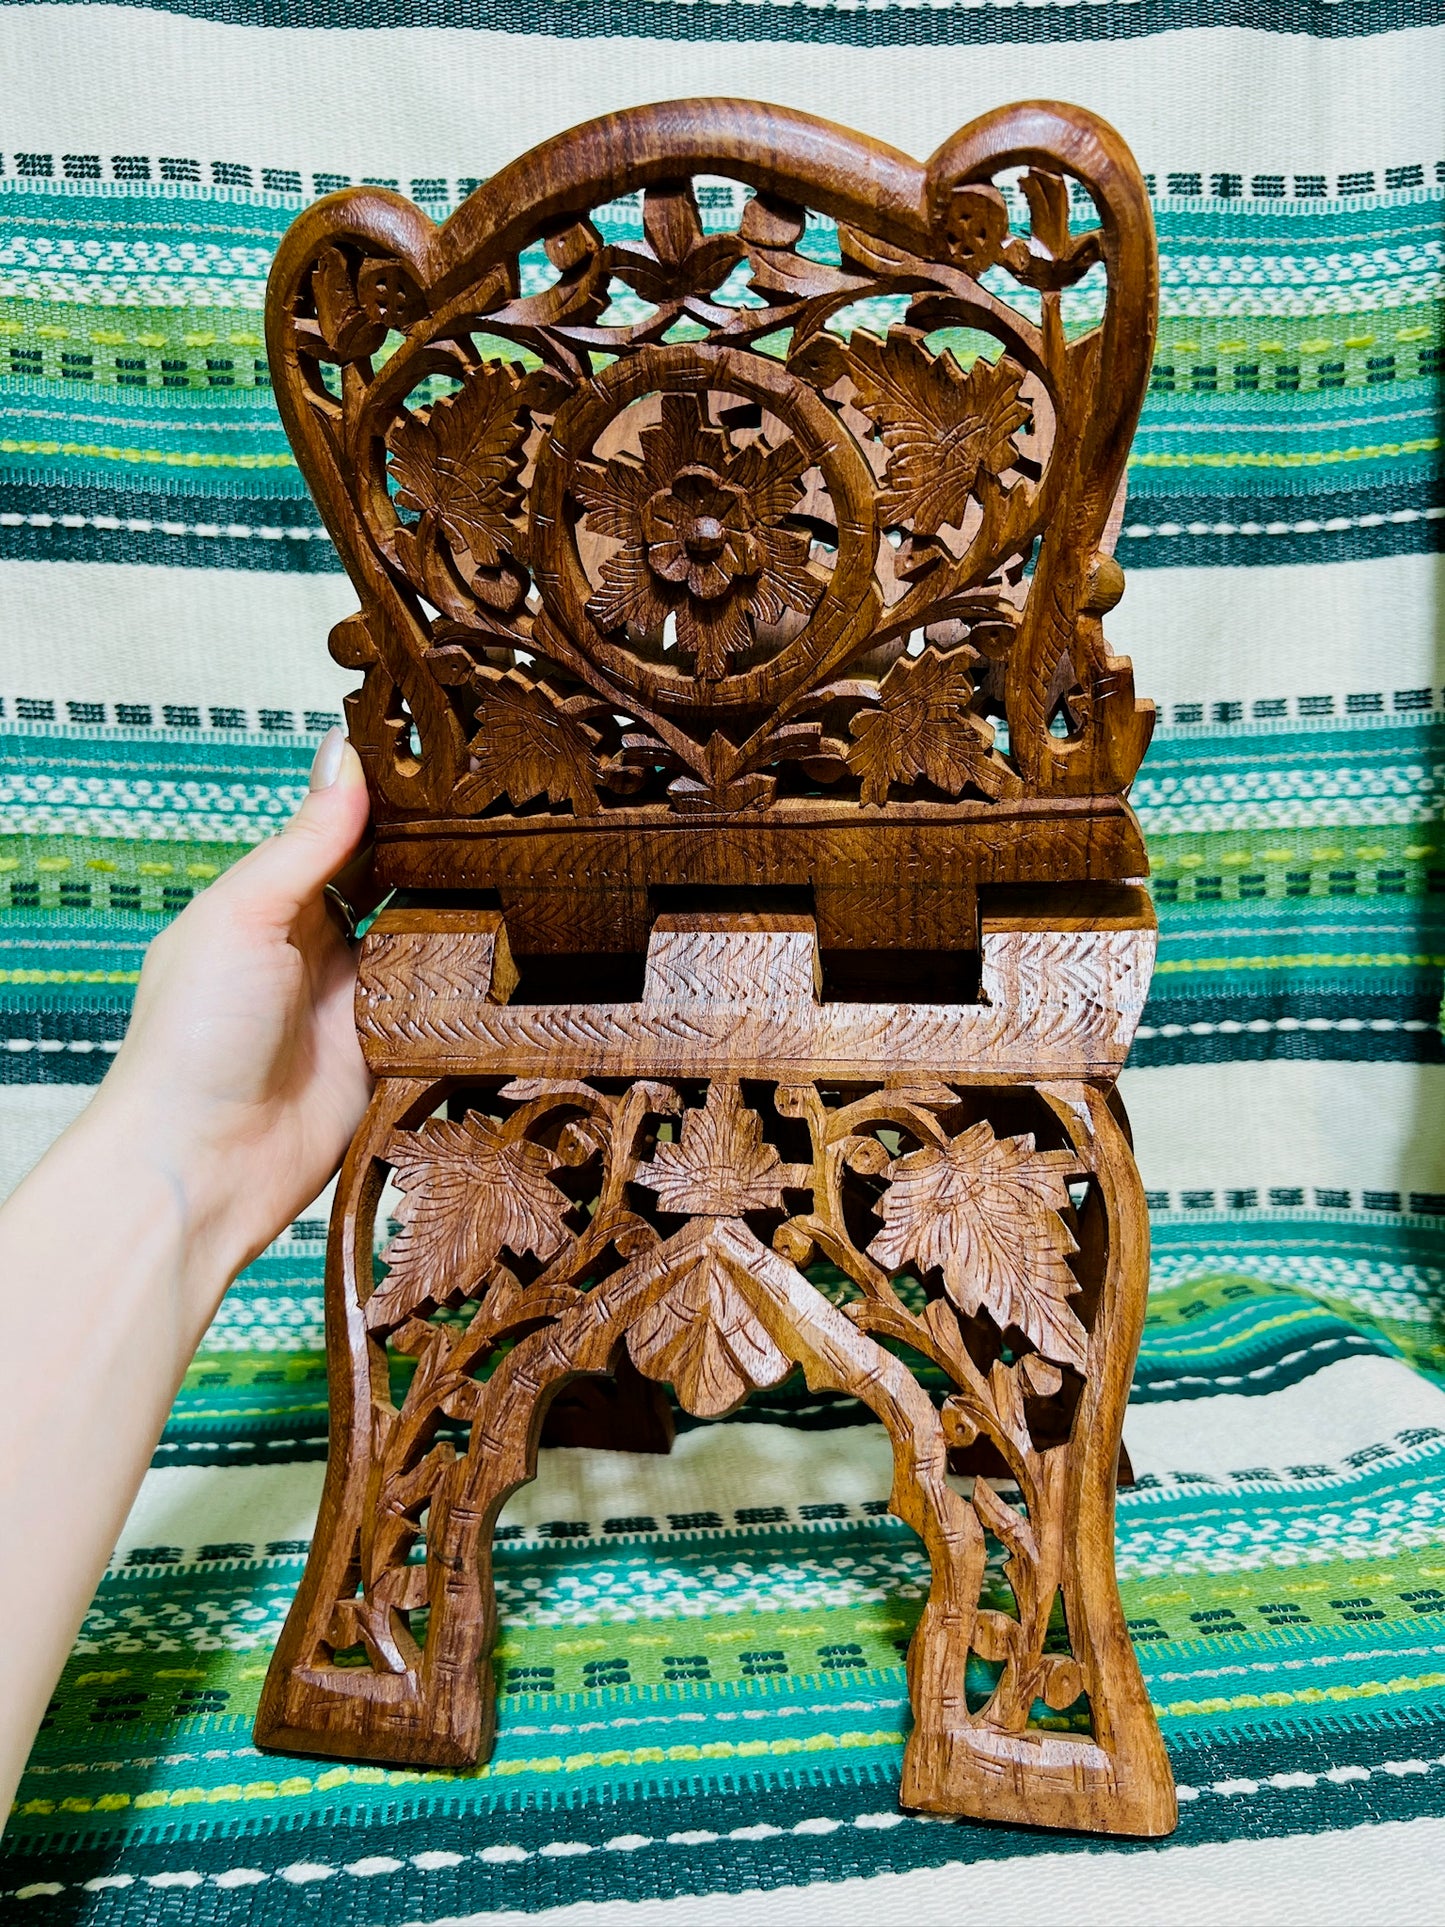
(773, 577)
(1007, 1243)
(701, 629)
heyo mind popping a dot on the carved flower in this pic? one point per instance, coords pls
(699, 524)
(975, 225)
(699, 531)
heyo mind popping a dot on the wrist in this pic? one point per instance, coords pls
(139, 1151)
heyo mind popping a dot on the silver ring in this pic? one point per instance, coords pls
(345, 912)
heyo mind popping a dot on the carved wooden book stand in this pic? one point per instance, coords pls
(730, 621)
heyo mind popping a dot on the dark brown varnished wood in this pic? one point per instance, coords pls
(711, 619)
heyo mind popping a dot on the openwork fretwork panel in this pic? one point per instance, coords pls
(714, 1187)
(797, 523)
(731, 599)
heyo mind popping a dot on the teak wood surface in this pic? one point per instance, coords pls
(751, 766)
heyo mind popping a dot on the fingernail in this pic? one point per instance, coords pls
(326, 766)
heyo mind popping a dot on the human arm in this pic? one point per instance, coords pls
(228, 1107)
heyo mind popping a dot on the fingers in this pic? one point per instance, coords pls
(289, 870)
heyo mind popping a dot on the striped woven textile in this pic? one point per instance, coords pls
(703, 1693)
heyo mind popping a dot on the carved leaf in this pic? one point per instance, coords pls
(628, 595)
(1053, 258)
(460, 459)
(985, 1211)
(772, 229)
(677, 258)
(721, 1167)
(702, 1336)
(468, 1194)
(1048, 199)
(526, 746)
(671, 222)
(942, 427)
(922, 728)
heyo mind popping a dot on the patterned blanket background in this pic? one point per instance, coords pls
(702, 1655)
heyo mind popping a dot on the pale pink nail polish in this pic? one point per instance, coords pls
(326, 765)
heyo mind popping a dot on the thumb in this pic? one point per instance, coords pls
(326, 831)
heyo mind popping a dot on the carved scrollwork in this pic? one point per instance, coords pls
(730, 501)
(724, 1182)
(684, 476)
(682, 1218)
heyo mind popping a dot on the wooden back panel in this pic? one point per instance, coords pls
(769, 547)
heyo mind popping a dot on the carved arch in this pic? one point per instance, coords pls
(429, 1698)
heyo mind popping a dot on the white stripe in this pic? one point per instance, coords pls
(1371, 1876)
(1195, 635)
(1191, 286)
(1406, 1293)
(1347, 1406)
(1330, 525)
(222, 532)
(189, 1506)
(226, 533)
(49, 1046)
(1221, 1127)
(1354, 1127)
(171, 635)
(1277, 794)
(1263, 1026)
(31, 1116)
(713, 1468)
(31, 804)
(1342, 1408)
(1216, 1382)
(405, 101)
(1249, 634)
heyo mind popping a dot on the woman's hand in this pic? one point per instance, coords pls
(240, 1073)
(230, 1104)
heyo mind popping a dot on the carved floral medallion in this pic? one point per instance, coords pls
(858, 437)
(701, 531)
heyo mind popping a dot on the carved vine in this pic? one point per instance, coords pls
(958, 1241)
(640, 593)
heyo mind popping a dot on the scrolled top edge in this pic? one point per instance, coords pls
(847, 175)
(1046, 133)
(773, 148)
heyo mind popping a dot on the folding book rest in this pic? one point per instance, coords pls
(749, 762)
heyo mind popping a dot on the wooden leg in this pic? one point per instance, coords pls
(1059, 1729)
(658, 1226)
(346, 1676)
